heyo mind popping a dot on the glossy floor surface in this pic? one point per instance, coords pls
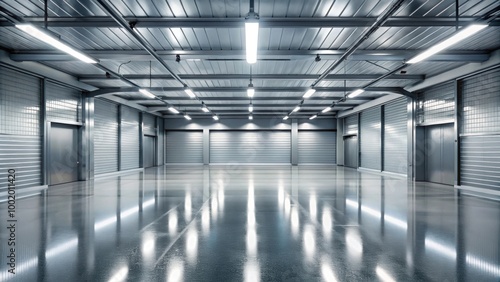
(253, 223)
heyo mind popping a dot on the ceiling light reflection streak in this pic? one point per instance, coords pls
(215, 208)
(327, 271)
(148, 246)
(187, 206)
(326, 222)
(175, 271)
(309, 242)
(126, 213)
(120, 275)
(172, 222)
(313, 207)
(192, 244)
(295, 221)
(220, 198)
(205, 220)
(384, 275)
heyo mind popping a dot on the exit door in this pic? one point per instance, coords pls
(63, 151)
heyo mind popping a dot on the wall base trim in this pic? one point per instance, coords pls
(384, 173)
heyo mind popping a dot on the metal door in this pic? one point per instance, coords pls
(439, 162)
(63, 150)
(396, 136)
(250, 147)
(317, 147)
(370, 138)
(351, 151)
(184, 147)
(149, 151)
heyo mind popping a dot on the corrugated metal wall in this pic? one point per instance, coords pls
(370, 138)
(317, 147)
(105, 137)
(20, 137)
(351, 125)
(480, 131)
(130, 145)
(396, 136)
(148, 125)
(250, 147)
(63, 103)
(161, 143)
(436, 105)
(184, 147)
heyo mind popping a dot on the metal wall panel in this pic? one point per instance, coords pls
(317, 147)
(396, 136)
(480, 131)
(148, 124)
(351, 125)
(105, 137)
(63, 103)
(184, 147)
(250, 147)
(480, 161)
(20, 140)
(370, 138)
(436, 105)
(161, 143)
(481, 103)
(129, 138)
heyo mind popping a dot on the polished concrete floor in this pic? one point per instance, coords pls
(253, 223)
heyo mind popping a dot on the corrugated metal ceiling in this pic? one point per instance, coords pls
(218, 48)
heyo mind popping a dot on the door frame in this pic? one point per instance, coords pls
(47, 156)
(344, 138)
(155, 146)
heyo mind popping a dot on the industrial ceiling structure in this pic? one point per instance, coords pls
(189, 56)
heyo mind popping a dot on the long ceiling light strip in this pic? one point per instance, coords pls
(49, 39)
(457, 37)
(252, 34)
(309, 92)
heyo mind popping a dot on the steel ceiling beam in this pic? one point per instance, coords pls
(289, 22)
(100, 77)
(244, 107)
(118, 90)
(264, 55)
(317, 98)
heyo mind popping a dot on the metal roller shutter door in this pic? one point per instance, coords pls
(317, 147)
(396, 137)
(480, 131)
(20, 138)
(148, 125)
(370, 136)
(63, 103)
(105, 137)
(250, 147)
(184, 147)
(129, 138)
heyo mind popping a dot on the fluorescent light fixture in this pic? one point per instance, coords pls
(205, 109)
(189, 92)
(215, 117)
(457, 37)
(147, 93)
(313, 117)
(327, 109)
(296, 109)
(356, 93)
(285, 118)
(49, 39)
(252, 36)
(173, 110)
(309, 93)
(186, 116)
(250, 108)
(250, 117)
(250, 90)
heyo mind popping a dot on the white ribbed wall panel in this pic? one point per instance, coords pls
(317, 147)
(105, 137)
(396, 136)
(20, 140)
(250, 147)
(370, 138)
(129, 138)
(184, 147)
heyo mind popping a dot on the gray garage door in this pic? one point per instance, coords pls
(317, 147)
(250, 147)
(105, 137)
(184, 147)
(370, 139)
(129, 138)
(396, 137)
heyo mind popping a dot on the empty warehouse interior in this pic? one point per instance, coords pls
(242, 140)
